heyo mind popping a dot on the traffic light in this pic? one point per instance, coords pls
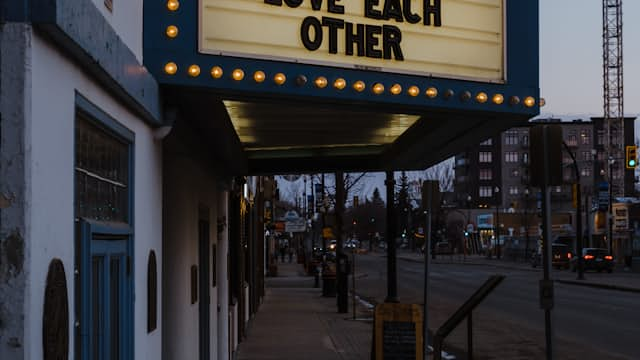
(632, 157)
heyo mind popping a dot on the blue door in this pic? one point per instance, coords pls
(105, 287)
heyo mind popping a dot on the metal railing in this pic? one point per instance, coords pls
(464, 312)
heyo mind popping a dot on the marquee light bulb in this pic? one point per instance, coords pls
(481, 97)
(514, 100)
(216, 72)
(172, 31)
(340, 83)
(378, 88)
(413, 91)
(529, 101)
(395, 89)
(279, 78)
(171, 68)
(498, 99)
(237, 74)
(466, 95)
(542, 102)
(431, 92)
(359, 86)
(259, 76)
(194, 70)
(320, 82)
(173, 5)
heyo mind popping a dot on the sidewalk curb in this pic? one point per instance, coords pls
(601, 286)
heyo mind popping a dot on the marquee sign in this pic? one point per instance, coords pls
(446, 38)
(415, 55)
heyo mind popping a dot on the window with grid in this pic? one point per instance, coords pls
(585, 171)
(585, 137)
(572, 140)
(511, 138)
(586, 155)
(102, 174)
(485, 191)
(487, 142)
(511, 156)
(484, 157)
(486, 174)
(601, 137)
(513, 190)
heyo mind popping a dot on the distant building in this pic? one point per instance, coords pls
(493, 176)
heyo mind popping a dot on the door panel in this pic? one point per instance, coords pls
(105, 286)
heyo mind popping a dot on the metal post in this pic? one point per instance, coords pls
(579, 244)
(427, 257)
(610, 214)
(392, 280)
(546, 261)
(342, 279)
(470, 336)
(353, 282)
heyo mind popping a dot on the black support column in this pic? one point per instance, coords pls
(392, 277)
(342, 285)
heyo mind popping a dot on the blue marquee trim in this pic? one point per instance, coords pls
(521, 59)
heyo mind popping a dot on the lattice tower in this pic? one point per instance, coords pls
(613, 92)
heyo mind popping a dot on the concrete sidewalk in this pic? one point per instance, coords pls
(295, 322)
(618, 280)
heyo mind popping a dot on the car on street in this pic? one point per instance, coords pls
(443, 248)
(595, 259)
(560, 257)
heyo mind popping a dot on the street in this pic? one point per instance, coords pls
(589, 323)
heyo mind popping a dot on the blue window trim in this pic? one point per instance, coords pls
(87, 229)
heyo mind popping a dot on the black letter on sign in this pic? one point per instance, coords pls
(370, 12)
(392, 10)
(333, 24)
(391, 38)
(336, 9)
(434, 10)
(372, 41)
(311, 22)
(411, 17)
(273, 2)
(316, 4)
(293, 3)
(357, 38)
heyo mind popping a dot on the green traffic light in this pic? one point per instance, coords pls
(632, 163)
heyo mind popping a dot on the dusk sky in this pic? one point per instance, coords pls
(571, 56)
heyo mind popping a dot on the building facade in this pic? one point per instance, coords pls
(136, 156)
(495, 175)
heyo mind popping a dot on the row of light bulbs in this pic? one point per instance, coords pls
(321, 82)
(339, 84)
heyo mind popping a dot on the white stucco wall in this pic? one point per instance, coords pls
(126, 20)
(187, 187)
(50, 147)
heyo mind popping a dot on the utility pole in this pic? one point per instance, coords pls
(392, 277)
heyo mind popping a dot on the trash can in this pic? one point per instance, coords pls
(328, 284)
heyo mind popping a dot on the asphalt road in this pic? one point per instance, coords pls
(589, 323)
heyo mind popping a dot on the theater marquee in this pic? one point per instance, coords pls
(461, 39)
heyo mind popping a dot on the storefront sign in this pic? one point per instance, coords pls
(456, 39)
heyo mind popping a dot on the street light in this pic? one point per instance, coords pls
(497, 191)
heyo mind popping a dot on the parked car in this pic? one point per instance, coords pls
(594, 259)
(443, 248)
(560, 257)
